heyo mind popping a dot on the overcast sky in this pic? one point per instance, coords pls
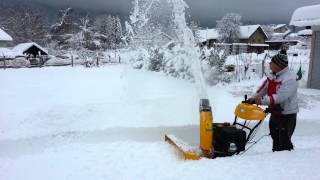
(204, 11)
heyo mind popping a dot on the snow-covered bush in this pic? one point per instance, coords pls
(156, 61)
(177, 62)
(139, 59)
(214, 66)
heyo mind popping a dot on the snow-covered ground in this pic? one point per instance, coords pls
(109, 123)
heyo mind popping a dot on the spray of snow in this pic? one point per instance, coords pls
(177, 30)
(185, 36)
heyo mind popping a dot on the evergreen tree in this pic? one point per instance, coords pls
(156, 60)
(109, 31)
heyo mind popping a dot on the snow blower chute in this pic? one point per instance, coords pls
(221, 139)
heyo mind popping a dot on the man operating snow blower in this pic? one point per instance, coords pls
(279, 93)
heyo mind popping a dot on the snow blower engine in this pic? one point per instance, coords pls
(222, 139)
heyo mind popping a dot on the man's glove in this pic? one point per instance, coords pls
(256, 100)
(251, 101)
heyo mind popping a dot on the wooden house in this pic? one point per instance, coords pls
(5, 38)
(251, 39)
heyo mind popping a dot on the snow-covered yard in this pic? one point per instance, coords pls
(109, 123)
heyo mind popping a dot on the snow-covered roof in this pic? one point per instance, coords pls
(247, 31)
(208, 34)
(4, 36)
(20, 48)
(244, 32)
(281, 41)
(306, 16)
(305, 32)
(259, 45)
(278, 26)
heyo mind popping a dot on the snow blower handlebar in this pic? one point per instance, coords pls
(248, 101)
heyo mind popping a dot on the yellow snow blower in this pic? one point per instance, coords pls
(221, 139)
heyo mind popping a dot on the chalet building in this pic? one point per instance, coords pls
(5, 38)
(308, 16)
(251, 39)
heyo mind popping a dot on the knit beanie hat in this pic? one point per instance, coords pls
(280, 59)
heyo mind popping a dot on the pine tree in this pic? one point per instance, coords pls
(156, 60)
(109, 31)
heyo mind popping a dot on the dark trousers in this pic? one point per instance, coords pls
(281, 129)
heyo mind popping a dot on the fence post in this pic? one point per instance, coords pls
(4, 62)
(71, 60)
(97, 61)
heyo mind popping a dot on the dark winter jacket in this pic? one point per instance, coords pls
(280, 89)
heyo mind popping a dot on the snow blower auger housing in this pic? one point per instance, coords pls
(221, 139)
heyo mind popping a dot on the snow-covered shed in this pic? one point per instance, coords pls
(309, 16)
(31, 48)
(4, 38)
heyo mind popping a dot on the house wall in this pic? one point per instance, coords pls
(257, 37)
(314, 65)
(209, 43)
(3, 44)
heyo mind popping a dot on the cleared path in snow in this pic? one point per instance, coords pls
(109, 123)
(305, 137)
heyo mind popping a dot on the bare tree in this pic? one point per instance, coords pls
(25, 25)
(228, 28)
(62, 31)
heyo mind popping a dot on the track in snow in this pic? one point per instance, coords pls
(305, 137)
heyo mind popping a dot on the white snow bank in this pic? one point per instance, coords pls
(306, 16)
(109, 122)
(155, 161)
